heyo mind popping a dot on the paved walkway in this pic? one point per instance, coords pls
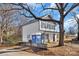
(20, 53)
(16, 51)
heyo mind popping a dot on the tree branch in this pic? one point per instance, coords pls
(51, 8)
(39, 18)
(27, 16)
(58, 7)
(71, 9)
(11, 9)
(65, 5)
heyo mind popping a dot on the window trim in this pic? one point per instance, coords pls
(46, 29)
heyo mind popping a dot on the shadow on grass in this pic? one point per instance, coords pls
(75, 42)
(38, 49)
(56, 46)
(35, 49)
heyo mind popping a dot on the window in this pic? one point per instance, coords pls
(28, 36)
(47, 26)
(43, 25)
(50, 26)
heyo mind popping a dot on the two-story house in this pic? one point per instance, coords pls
(45, 28)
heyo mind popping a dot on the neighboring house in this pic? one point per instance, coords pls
(45, 28)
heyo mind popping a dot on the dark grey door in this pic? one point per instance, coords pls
(53, 37)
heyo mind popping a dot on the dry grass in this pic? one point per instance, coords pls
(67, 50)
(2, 46)
(57, 51)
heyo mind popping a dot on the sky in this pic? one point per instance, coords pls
(68, 21)
(37, 9)
(54, 13)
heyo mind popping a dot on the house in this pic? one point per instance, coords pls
(39, 27)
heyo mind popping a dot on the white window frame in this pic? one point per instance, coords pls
(46, 29)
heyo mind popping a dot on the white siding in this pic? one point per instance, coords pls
(51, 37)
(33, 28)
(29, 30)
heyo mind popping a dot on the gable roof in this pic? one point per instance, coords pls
(35, 20)
(29, 22)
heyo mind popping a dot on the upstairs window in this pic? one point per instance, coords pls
(43, 25)
(47, 25)
(28, 36)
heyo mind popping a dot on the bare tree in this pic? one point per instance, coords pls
(71, 31)
(5, 24)
(77, 20)
(61, 8)
(5, 20)
(64, 11)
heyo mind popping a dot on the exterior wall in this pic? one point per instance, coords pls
(28, 30)
(53, 37)
(57, 37)
(49, 30)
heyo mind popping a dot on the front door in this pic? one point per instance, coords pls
(53, 37)
(47, 37)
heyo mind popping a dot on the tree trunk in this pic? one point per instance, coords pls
(78, 32)
(61, 35)
(1, 38)
(61, 25)
(78, 35)
(61, 29)
(1, 41)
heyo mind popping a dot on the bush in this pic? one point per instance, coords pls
(12, 40)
